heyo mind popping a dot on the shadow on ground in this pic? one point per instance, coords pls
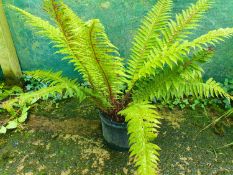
(66, 139)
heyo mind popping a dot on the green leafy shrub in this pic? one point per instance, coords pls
(32, 84)
(164, 64)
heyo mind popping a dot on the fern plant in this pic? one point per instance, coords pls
(164, 64)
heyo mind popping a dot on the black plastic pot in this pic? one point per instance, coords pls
(115, 134)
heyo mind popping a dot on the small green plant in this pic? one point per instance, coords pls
(228, 87)
(164, 64)
(7, 92)
(32, 84)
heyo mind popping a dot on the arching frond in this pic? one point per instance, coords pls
(143, 122)
(42, 27)
(92, 47)
(178, 87)
(160, 85)
(58, 39)
(71, 86)
(32, 97)
(212, 37)
(148, 34)
(174, 32)
(87, 46)
(107, 59)
(57, 85)
(51, 78)
(68, 17)
(71, 28)
(186, 21)
(210, 88)
(174, 54)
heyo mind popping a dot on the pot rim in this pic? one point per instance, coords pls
(108, 121)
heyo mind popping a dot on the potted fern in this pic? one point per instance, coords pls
(163, 64)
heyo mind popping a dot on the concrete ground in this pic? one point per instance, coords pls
(65, 139)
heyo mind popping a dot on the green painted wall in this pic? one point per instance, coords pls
(121, 18)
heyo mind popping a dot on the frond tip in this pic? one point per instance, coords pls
(148, 34)
(186, 21)
(142, 121)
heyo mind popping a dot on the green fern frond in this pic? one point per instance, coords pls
(175, 86)
(68, 17)
(200, 89)
(191, 68)
(107, 59)
(174, 54)
(32, 97)
(58, 39)
(159, 85)
(42, 27)
(55, 79)
(51, 78)
(71, 86)
(57, 85)
(201, 56)
(174, 32)
(92, 47)
(87, 46)
(148, 34)
(68, 88)
(143, 122)
(73, 29)
(210, 88)
(212, 38)
(186, 21)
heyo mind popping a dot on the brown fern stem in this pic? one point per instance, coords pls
(111, 96)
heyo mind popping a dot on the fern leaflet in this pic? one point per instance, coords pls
(143, 122)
